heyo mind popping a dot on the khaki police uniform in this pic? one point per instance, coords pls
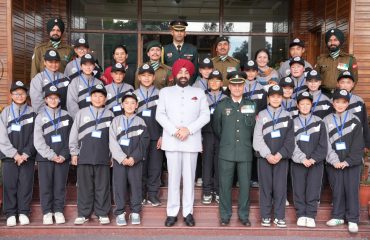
(230, 64)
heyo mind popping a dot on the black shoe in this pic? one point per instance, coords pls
(154, 201)
(225, 222)
(170, 221)
(245, 222)
(189, 220)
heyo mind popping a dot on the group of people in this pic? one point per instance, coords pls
(245, 119)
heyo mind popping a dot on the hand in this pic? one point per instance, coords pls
(18, 159)
(131, 161)
(182, 133)
(312, 161)
(307, 163)
(55, 159)
(159, 143)
(338, 165)
(74, 160)
(271, 159)
(25, 157)
(60, 160)
(277, 157)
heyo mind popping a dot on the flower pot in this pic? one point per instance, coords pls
(365, 172)
(364, 195)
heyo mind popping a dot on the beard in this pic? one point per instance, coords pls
(333, 48)
(55, 38)
(182, 82)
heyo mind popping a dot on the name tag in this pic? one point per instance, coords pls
(16, 127)
(305, 138)
(147, 113)
(88, 99)
(96, 134)
(212, 110)
(247, 109)
(117, 108)
(56, 138)
(124, 141)
(342, 66)
(275, 134)
(340, 146)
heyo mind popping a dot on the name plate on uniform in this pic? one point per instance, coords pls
(96, 134)
(340, 146)
(88, 99)
(342, 66)
(117, 108)
(247, 109)
(212, 110)
(16, 127)
(56, 138)
(304, 138)
(275, 134)
(147, 113)
(124, 141)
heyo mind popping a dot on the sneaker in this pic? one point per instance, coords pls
(280, 223)
(301, 221)
(287, 203)
(135, 218)
(217, 198)
(334, 222)
(120, 220)
(11, 221)
(199, 182)
(143, 202)
(352, 227)
(23, 219)
(255, 184)
(80, 220)
(47, 219)
(59, 218)
(154, 201)
(104, 220)
(207, 199)
(310, 222)
(266, 222)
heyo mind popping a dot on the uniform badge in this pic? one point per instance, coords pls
(169, 55)
(228, 111)
(44, 119)
(109, 96)
(342, 66)
(45, 81)
(82, 41)
(19, 83)
(247, 109)
(86, 119)
(80, 87)
(230, 69)
(74, 70)
(119, 129)
(287, 72)
(65, 123)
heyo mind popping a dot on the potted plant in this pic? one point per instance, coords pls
(364, 193)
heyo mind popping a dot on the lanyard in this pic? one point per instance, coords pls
(87, 82)
(204, 85)
(97, 120)
(56, 126)
(306, 122)
(20, 115)
(340, 131)
(273, 117)
(252, 92)
(52, 80)
(298, 88)
(315, 103)
(78, 67)
(116, 92)
(126, 127)
(286, 106)
(214, 101)
(146, 99)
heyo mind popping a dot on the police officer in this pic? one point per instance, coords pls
(233, 122)
(55, 28)
(224, 63)
(179, 48)
(332, 64)
(163, 75)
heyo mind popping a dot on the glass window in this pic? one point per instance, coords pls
(202, 15)
(104, 14)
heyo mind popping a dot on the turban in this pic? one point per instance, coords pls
(337, 33)
(55, 21)
(182, 63)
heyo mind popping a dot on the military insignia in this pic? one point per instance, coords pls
(216, 72)
(276, 87)
(305, 94)
(346, 73)
(55, 20)
(19, 84)
(145, 66)
(52, 53)
(118, 65)
(228, 111)
(250, 63)
(342, 66)
(288, 80)
(297, 59)
(82, 41)
(45, 81)
(230, 69)
(296, 40)
(313, 73)
(287, 72)
(44, 119)
(169, 55)
(248, 109)
(206, 60)
(354, 66)
(99, 86)
(88, 56)
(53, 89)
(86, 119)
(343, 93)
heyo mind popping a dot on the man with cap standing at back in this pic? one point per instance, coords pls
(331, 65)
(224, 63)
(182, 111)
(55, 28)
(163, 76)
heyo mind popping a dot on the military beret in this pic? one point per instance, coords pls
(146, 68)
(313, 74)
(17, 85)
(129, 95)
(87, 58)
(215, 74)
(250, 65)
(276, 89)
(81, 42)
(52, 90)
(296, 42)
(236, 77)
(205, 63)
(286, 82)
(151, 44)
(341, 93)
(336, 32)
(345, 74)
(51, 55)
(304, 95)
(98, 88)
(55, 21)
(298, 60)
(178, 24)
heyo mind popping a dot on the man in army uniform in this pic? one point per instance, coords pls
(163, 75)
(331, 65)
(179, 48)
(233, 123)
(55, 28)
(222, 62)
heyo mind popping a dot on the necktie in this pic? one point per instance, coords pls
(179, 48)
(55, 44)
(155, 65)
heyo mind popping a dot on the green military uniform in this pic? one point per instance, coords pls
(188, 51)
(233, 123)
(330, 68)
(230, 64)
(65, 52)
(163, 77)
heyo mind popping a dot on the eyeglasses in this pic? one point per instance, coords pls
(19, 94)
